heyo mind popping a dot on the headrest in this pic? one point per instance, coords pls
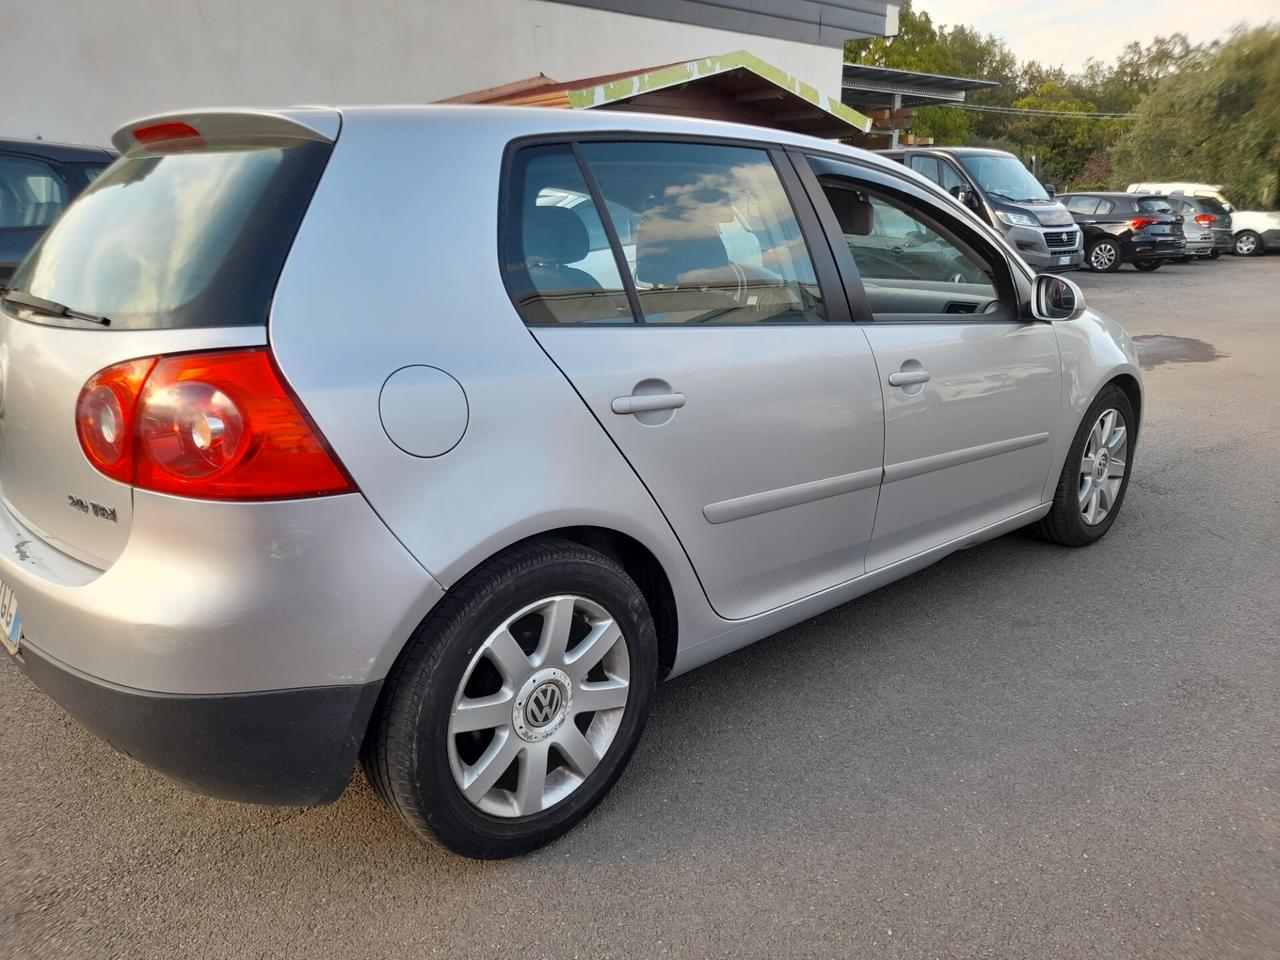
(854, 212)
(675, 252)
(554, 235)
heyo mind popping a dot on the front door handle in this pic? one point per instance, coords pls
(906, 378)
(643, 403)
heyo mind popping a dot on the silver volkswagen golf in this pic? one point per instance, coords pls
(435, 437)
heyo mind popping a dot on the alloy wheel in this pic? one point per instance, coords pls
(538, 706)
(1102, 466)
(1246, 245)
(1102, 256)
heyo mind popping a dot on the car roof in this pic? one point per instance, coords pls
(553, 121)
(1116, 194)
(58, 152)
(514, 122)
(954, 151)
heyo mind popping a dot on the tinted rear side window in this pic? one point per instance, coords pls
(181, 239)
(560, 266)
(1153, 205)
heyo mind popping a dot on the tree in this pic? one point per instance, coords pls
(1215, 119)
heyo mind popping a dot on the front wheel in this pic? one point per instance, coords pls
(1247, 244)
(1104, 256)
(1095, 477)
(1147, 265)
(518, 702)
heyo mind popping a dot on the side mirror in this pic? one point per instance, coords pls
(1050, 189)
(1055, 298)
(967, 197)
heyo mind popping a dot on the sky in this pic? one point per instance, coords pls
(1069, 33)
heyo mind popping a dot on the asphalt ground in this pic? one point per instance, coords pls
(1022, 752)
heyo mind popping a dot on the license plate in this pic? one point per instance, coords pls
(10, 620)
(1062, 260)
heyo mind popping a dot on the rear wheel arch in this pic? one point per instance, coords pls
(644, 568)
(634, 557)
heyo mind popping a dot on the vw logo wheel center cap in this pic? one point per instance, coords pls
(542, 704)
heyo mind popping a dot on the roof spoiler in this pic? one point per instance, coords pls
(308, 123)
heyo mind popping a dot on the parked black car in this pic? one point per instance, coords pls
(1141, 229)
(1208, 212)
(37, 180)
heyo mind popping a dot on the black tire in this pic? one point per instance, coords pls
(1250, 241)
(1215, 254)
(1147, 266)
(405, 749)
(1097, 245)
(1064, 523)
(1188, 259)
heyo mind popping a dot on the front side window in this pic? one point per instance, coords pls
(31, 193)
(909, 262)
(927, 167)
(715, 239)
(951, 180)
(1153, 205)
(1082, 205)
(1104, 207)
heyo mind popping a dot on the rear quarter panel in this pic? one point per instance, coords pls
(397, 264)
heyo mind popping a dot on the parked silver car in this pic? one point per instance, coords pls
(323, 430)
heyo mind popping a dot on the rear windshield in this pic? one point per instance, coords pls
(182, 239)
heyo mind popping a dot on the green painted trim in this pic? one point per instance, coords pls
(606, 93)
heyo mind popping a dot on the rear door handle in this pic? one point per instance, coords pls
(905, 378)
(646, 402)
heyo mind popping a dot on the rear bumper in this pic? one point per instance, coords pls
(237, 648)
(221, 598)
(1140, 248)
(293, 747)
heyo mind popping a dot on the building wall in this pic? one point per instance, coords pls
(75, 70)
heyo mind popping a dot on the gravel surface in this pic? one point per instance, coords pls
(1022, 752)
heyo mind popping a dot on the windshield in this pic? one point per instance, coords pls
(1003, 177)
(184, 239)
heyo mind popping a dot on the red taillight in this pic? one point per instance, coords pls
(164, 132)
(217, 426)
(1204, 219)
(105, 416)
(1141, 223)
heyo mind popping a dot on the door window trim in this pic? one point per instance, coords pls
(1009, 291)
(834, 299)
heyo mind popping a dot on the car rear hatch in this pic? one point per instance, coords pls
(176, 247)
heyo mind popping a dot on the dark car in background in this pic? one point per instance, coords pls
(37, 181)
(1210, 214)
(1124, 228)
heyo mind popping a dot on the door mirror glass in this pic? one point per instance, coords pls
(1056, 298)
(1050, 189)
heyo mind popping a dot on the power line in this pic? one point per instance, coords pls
(1031, 112)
